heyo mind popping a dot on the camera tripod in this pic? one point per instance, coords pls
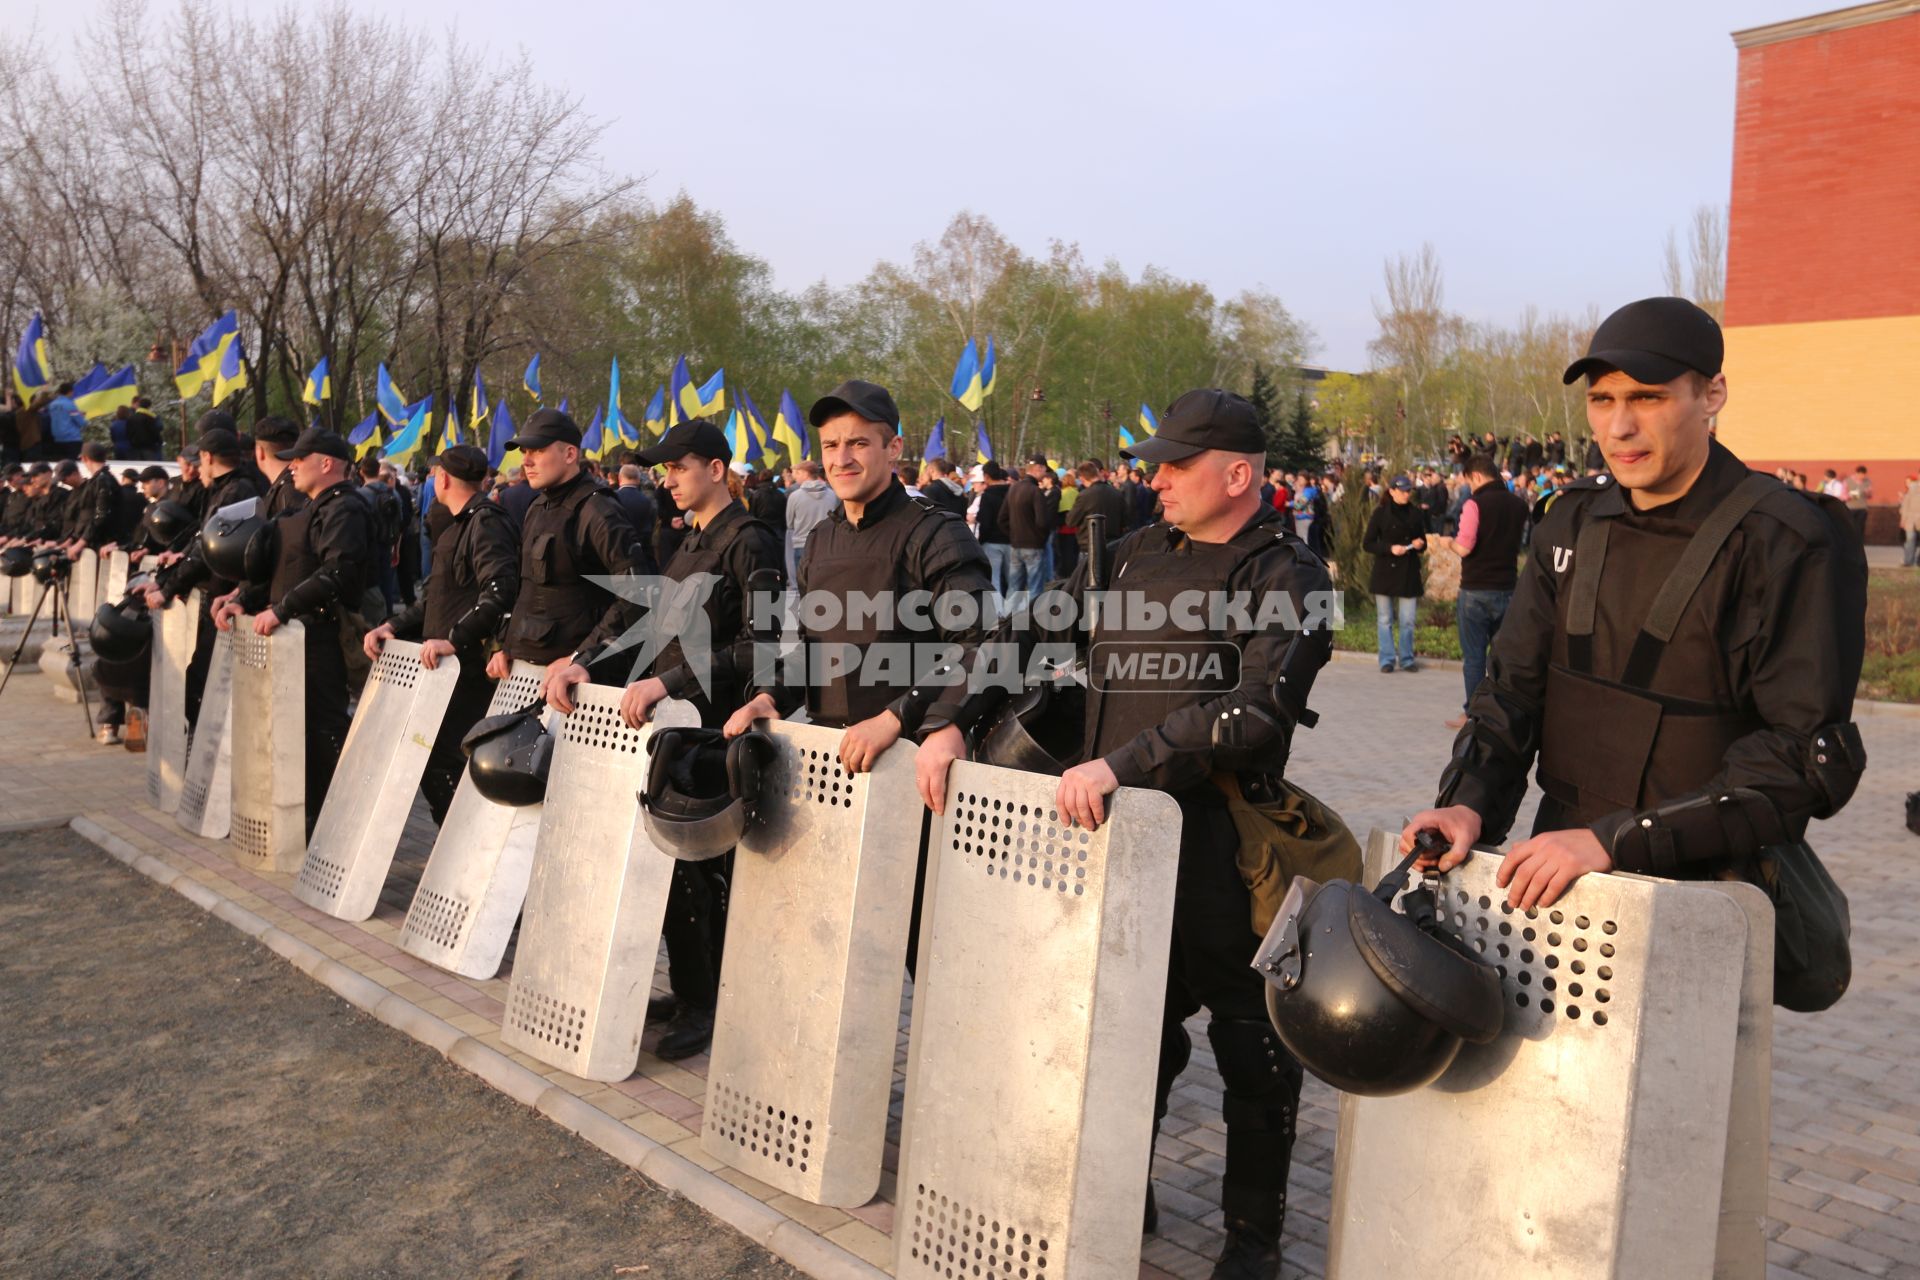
(55, 588)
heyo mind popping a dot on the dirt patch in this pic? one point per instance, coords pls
(177, 1101)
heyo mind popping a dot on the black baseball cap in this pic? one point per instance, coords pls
(155, 472)
(1654, 340)
(1402, 482)
(1039, 460)
(545, 427)
(697, 436)
(317, 440)
(276, 430)
(867, 399)
(1200, 420)
(218, 441)
(463, 462)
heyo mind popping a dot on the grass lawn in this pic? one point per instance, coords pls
(1891, 672)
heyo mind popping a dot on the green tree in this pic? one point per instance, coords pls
(1265, 399)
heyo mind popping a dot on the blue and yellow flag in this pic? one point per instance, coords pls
(100, 393)
(531, 378)
(790, 428)
(319, 385)
(982, 445)
(366, 437)
(682, 401)
(744, 437)
(477, 411)
(656, 416)
(391, 400)
(231, 375)
(966, 379)
(987, 370)
(617, 428)
(206, 354)
(757, 425)
(498, 434)
(32, 366)
(1126, 437)
(937, 441)
(449, 432)
(411, 437)
(1149, 424)
(590, 439)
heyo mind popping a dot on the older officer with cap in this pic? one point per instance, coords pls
(574, 528)
(475, 580)
(1219, 540)
(740, 555)
(323, 563)
(1682, 649)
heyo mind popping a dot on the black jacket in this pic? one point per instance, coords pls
(1029, 514)
(1394, 524)
(96, 509)
(475, 579)
(643, 515)
(1493, 562)
(573, 531)
(191, 570)
(1099, 499)
(989, 523)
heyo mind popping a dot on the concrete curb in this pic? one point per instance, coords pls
(772, 1230)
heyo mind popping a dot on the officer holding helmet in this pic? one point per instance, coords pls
(1681, 653)
(1218, 539)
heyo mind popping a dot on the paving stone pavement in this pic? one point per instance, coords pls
(1845, 1185)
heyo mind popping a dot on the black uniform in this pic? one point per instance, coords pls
(281, 497)
(744, 555)
(191, 571)
(325, 562)
(1099, 499)
(571, 530)
(1158, 733)
(95, 512)
(642, 515)
(473, 584)
(1685, 756)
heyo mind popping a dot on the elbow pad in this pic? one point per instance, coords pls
(1712, 827)
(1836, 757)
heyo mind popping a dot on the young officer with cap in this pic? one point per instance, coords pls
(322, 564)
(574, 528)
(885, 545)
(1220, 539)
(1682, 650)
(475, 580)
(270, 436)
(226, 479)
(742, 554)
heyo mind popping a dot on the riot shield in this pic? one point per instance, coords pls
(803, 1043)
(1028, 1127)
(175, 631)
(206, 797)
(1592, 1138)
(462, 915)
(590, 933)
(269, 746)
(366, 807)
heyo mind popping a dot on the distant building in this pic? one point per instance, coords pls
(1823, 251)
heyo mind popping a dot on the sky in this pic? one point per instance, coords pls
(1545, 149)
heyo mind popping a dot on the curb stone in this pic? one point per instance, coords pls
(770, 1229)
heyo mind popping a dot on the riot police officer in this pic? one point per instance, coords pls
(323, 563)
(271, 435)
(1217, 539)
(574, 528)
(475, 578)
(741, 556)
(1682, 649)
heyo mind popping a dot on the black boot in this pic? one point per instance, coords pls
(1249, 1254)
(662, 1008)
(688, 1032)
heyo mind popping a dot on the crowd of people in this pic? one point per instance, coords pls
(50, 426)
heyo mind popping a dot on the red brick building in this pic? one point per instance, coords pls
(1823, 251)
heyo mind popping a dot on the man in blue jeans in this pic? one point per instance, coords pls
(1492, 524)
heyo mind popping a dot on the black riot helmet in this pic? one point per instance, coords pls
(703, 791)
(167, 525)
(508, 756)
(1040, 729)
(240, 542)
(120, 632)
(16, 562)
(50, 565)
(1372, 1000)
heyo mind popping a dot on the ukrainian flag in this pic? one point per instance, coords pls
(681, 396)
(32, 366)
(1126, 436)
(232, 370)
(937, 441)
(366, 436)
(449, 432)
(205, 355)
(477, 417)
(750, 414)
(966, 379)
(713, 394)
(591, 437)
(392, 402)
(987, 371)
(790, 428)
(100, 393)
(531, 378)
(1149, 424)
(744, 439)
(498, 434)
(403, 446)
(656, 416)
(319, 385)
(982, 446)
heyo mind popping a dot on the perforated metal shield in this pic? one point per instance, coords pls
(590, 933)
(803, 1045)
(475, 881)
(1028, 1127)
(358, 830)
(269, 747)
(116, 569)
(206, 797)
(1590, 1138)
(20, 592)
(174, 633)
(83, 588)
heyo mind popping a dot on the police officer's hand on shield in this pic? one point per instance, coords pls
(639, 699)
(562, 675)
(1084, 788)
(1534, 873)
(376, 641)
(499, 666)
(759, 707)
(940, 749)
(862, 743)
